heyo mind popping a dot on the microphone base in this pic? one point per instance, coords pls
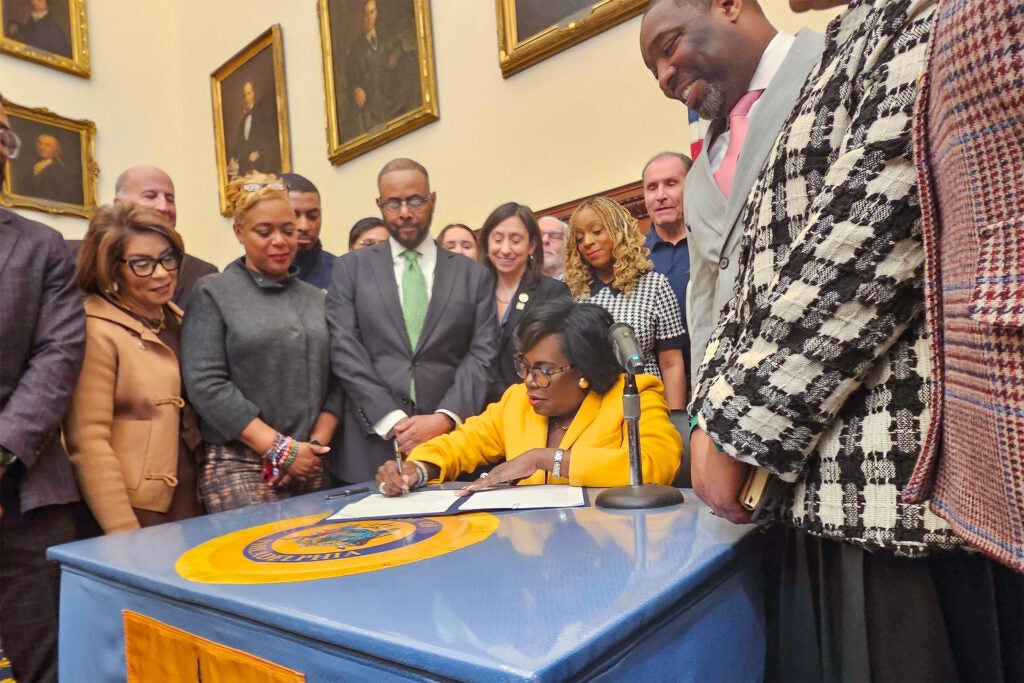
(639, 497)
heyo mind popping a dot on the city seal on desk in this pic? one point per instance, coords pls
(313, 547)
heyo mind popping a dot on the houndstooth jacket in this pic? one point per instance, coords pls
(817, 369)
(970, 158)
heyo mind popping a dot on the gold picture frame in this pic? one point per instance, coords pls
(248, 134)
(60, 39)
(530, 31)
(377, 88)
(55, 170)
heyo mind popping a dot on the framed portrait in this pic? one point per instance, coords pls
(530, 31)
(379, 77)
(50, 32)
(55, 170)
(250, 112)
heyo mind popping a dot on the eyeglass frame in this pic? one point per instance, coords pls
(8, 136)
(524, 369)
(175, 254)
(397, 204)
(273, 185)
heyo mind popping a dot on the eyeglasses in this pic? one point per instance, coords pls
(368, 242)
(541, 376)
(256, 187)
(11, 142)
(144, 267)
(554, 235)
(414, 203)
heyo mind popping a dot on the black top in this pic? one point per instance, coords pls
(528, 294)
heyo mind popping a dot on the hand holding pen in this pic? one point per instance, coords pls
(398, 462)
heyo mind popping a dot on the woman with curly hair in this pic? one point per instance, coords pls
(609, 267)
(255, 353)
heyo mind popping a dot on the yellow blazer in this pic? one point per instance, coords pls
(597, 437)
(122, 428)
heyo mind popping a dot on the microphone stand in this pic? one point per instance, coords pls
(636, 496)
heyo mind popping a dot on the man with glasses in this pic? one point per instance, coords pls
(553, 234)
(150, 187)
(42, 339)
(314, 263)
(413, 331)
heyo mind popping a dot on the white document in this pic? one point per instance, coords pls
(412, 504)
(525, 498)
(439, 502)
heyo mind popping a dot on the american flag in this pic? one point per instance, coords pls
(698, 129)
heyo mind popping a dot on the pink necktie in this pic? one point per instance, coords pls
(738, 124)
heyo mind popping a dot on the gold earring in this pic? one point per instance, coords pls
(584, 384)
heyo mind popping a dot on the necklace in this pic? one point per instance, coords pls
(154, 326)
(502, 301)
(159, 327)
(560, 427)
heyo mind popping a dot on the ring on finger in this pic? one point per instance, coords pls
(485, 475)
(381, 486)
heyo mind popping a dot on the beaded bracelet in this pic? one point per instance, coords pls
(421, 474)
(293, 452)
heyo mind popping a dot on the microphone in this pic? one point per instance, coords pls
(627, 351)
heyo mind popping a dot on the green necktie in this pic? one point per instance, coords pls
(414, 296)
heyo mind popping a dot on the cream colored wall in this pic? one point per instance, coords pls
(582, 121)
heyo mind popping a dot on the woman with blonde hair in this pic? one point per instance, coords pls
(256, 358)
(131, 438)
(609, 267)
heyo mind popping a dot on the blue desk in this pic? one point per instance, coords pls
(550, 595)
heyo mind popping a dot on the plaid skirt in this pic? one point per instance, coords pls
(231, 478)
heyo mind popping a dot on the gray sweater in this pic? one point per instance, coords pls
(253, 347)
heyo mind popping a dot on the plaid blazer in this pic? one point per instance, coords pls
(817, 369)
(969, 127)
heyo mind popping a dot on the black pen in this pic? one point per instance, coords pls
(348, 492)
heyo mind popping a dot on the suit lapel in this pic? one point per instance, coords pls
(440, 293)
(8, 238)
(773, 109)
(515, 312)
(384, 274)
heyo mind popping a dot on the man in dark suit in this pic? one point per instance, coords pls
(413, 331)
(381, 78)
(40, 30)
(256, 145)
(150, 187)
(42, 339)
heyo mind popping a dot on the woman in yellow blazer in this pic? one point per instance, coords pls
(562, 425)
(132, 456)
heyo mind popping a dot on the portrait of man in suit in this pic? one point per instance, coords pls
(255, 145)
(376, 55)
(49, 167)
(42, 24)
(413, 331)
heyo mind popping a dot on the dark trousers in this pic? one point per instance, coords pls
(29, 583)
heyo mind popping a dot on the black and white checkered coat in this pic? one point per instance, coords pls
(651, 309)
(817, 369)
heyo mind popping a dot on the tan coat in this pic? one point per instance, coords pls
(122, 429)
